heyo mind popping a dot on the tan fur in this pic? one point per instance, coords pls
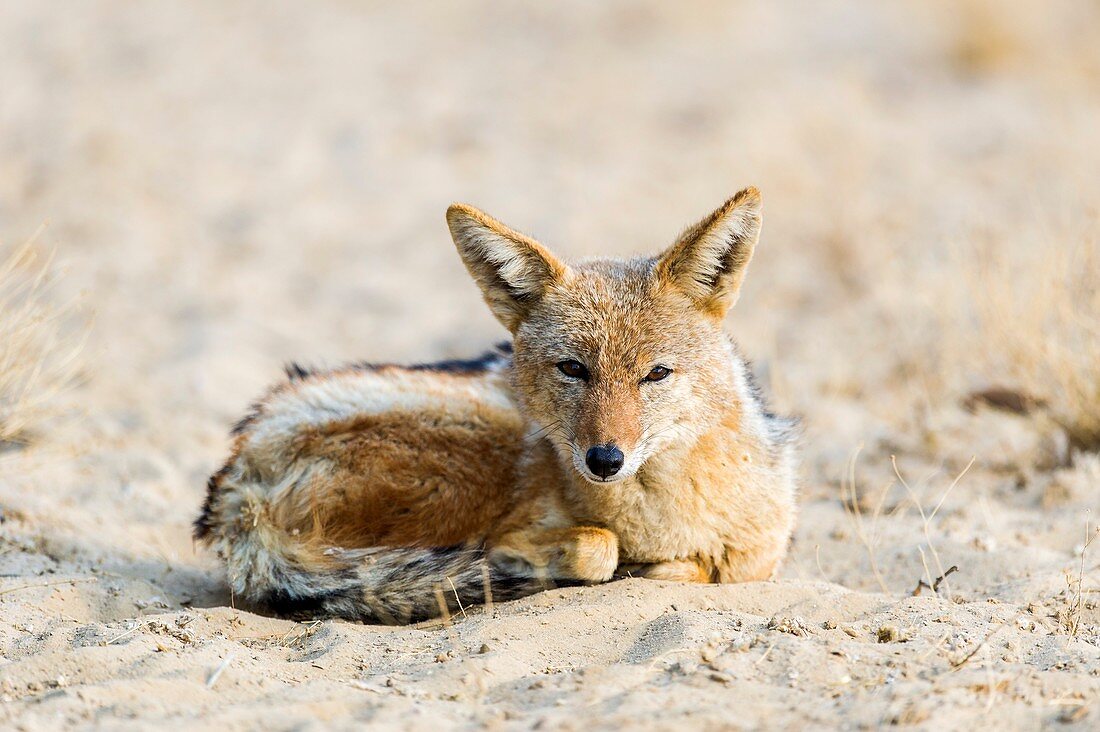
(337, 464)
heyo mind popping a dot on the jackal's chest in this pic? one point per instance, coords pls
(657, 523)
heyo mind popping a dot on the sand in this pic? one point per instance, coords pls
(234, 185)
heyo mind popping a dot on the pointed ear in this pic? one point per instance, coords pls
(708, 261)
(513, 271)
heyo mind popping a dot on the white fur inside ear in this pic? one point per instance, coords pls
(512, 270)
(523, 272)
(721, 250)
(701, 270)
(708, 262)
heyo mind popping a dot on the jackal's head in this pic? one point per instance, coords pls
(617, 360)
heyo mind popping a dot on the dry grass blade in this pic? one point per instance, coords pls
(1072, 621)
(488, 588)
(213, 679)
(926, 521)
(851, 502)
(37, 362)
(125, 633)
(48, 584)
(956, 664)
(445, 614)
(457, 598)
(299, 633)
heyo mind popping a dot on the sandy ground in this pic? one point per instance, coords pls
(234, 185)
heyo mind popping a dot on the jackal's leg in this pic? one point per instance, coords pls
(583, 553)
(742, 566)
(679, 570)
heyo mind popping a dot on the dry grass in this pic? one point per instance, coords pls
(1037, 311)
(868, 535)
(1071, 617)
(37, 360)
(867, 515)
(926, 525)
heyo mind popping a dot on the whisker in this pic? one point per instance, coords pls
(542, 432)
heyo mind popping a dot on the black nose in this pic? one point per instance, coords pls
(604, 460)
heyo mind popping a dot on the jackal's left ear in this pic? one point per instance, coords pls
(708, 261)
(513, 271)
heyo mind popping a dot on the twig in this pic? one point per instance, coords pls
(935, 586)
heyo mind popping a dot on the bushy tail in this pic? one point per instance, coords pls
(394, 585)
(292, 573)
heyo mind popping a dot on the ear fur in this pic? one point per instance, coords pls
(512, 270)
(708, 261)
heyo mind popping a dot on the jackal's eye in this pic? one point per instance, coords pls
(573, 369)
(657, 373)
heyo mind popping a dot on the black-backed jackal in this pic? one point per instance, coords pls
(619, 430)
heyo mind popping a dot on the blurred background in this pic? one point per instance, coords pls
(231, 185)
(193, 193)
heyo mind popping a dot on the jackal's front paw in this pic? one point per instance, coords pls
(584, 553)
(592, 555)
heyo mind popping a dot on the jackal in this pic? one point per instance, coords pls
(618, 431)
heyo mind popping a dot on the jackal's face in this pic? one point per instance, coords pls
(617, 360)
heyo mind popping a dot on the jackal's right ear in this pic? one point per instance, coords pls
(708, 261)
(513, 271)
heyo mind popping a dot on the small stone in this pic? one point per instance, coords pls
(888, 634)
(793, 625)
(484, 648)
